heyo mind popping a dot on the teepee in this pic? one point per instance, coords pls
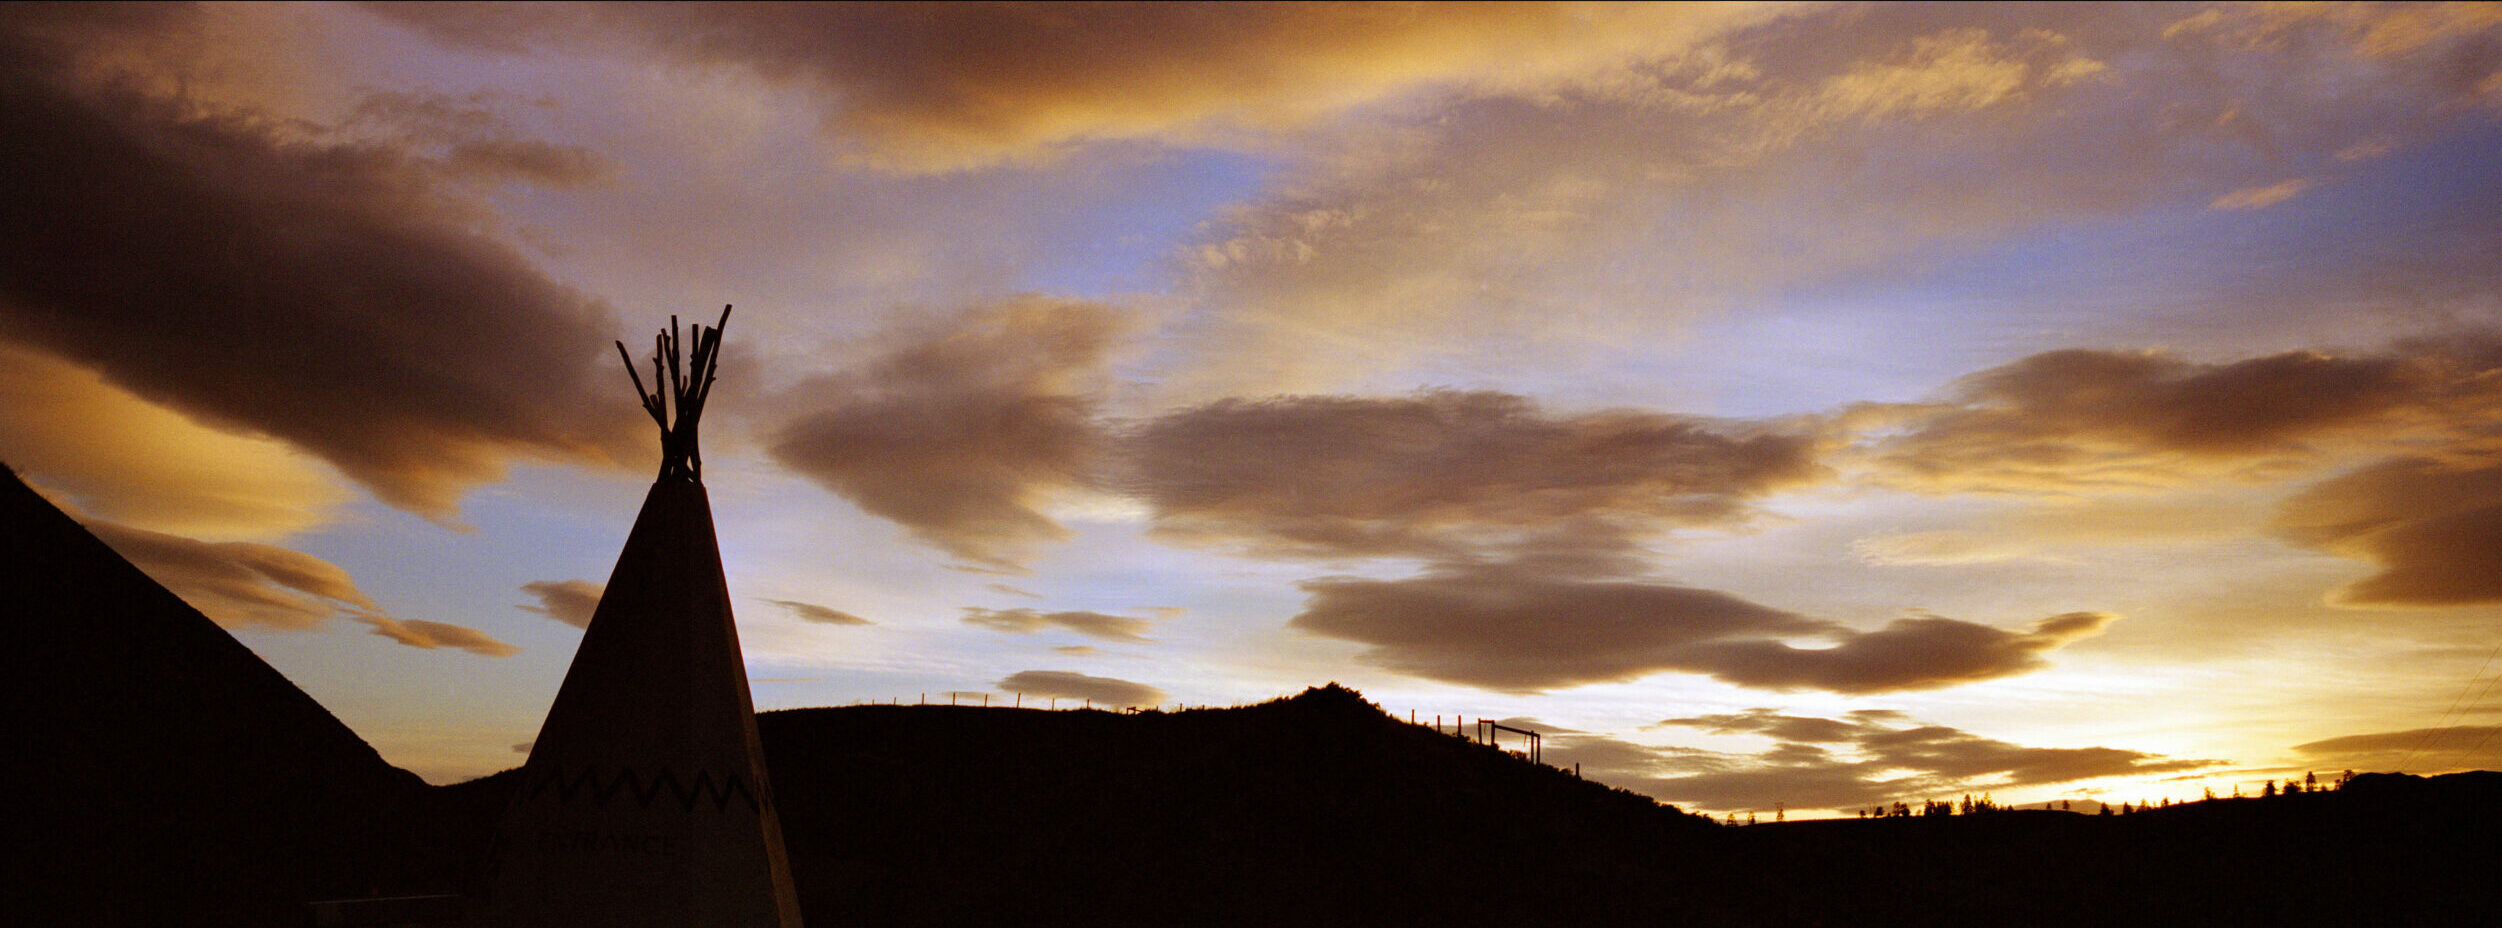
(644, 801)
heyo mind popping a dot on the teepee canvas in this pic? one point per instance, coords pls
(644, 801)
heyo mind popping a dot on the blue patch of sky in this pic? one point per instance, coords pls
(2182, 275)
(1125, 244)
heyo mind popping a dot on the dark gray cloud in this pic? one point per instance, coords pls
(812, 612)
(961, 434)
(567, 601)
(1523, 631)
(1862, 759)
(1104, 692)
(329, 295)
(1447, 474)
(1029, 621)
(1925, 652)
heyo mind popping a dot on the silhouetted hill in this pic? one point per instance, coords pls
(1314, 810)
(2386, 850)
(159, 772)
(1321, 810)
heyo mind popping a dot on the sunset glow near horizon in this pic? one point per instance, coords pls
(1798, 405)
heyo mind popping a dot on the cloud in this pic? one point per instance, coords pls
(915, 88)
(1028, 621)
(466, 138)
(1067, 685)
(1926, 652)
(2262, 197)
(327, 295)
(2076, 419)
(2421, 750)
(811, 612)
(241, 584)
(2432, 525)
(962, 434)
(567, 601)
(1520, 631)
(418, 633)
(137, 464)
(1865, 758)
(1443, 474)
(1856, 146)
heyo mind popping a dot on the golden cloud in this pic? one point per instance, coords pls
(129, 461)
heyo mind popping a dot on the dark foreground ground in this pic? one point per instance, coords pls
(160, 775)
(1320, 810)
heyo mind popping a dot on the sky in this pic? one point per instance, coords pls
(1796, 407)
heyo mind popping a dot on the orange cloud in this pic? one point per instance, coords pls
(129, 461)
(2262, 197)
(419, 633)
(569, 601)
(811, 612)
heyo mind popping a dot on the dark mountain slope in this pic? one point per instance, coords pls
(2386, 850)
(159, 772)
(1314, 810)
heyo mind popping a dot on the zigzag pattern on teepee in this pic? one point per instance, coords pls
(587, 781)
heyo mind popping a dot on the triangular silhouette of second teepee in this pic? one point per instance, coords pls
(644, 801)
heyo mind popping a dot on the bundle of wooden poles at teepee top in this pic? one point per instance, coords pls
(685, 390)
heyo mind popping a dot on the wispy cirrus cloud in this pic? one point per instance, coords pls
(241, 585)
(1109, 627)
(823, 615)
